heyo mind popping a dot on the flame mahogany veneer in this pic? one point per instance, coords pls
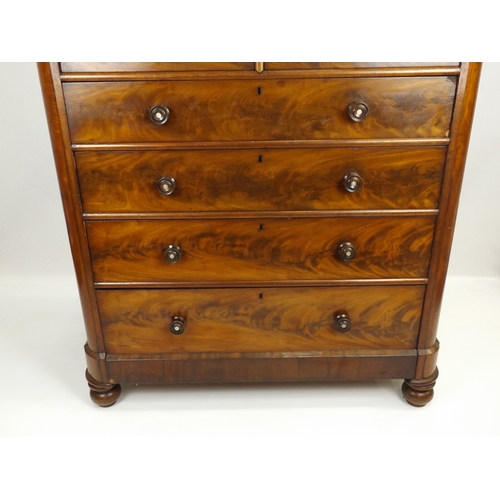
(252, 222)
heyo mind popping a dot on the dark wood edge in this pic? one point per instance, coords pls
(427, 360)
(96, 363)
(454, 169)
(259, 284)
(101, 393)
(419, 392)
(429, 351)
(245, 370)
(341, 353)
(260, 215)
(66, 173)
(265, 74)
(327, 143)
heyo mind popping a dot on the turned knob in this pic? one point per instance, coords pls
(172, 254)
(346, 251)
(166, 185)
(159, 114)
(178, 325)
(342, 322)
(358, 111)
(353, 182)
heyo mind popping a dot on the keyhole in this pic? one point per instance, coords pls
(259, 90)
(261, 227)
(260, 158)
(261, 296)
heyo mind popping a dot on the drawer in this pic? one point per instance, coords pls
(260, 109)
(260, 249)
(114, 67)
(245, 180)
(260, 320)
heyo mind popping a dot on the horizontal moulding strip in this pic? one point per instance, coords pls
(254, 75)
(359, 353)
(259, 215)
(261, 284)
(278, 144)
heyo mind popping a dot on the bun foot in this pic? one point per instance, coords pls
(103, 394)
(419, 392)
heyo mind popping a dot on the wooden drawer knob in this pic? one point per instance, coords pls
(353, 182)
(166, 185)
(346, 251)
(342, 322)
(172, 254)
(159, 114)
(178, 325)
(358, 111)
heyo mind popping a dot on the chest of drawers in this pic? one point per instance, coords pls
(251, 222)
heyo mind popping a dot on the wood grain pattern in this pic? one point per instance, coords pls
(288, 109)
(255, 320)
(259, 212)
(300, 368)
(260, 249)
(245, 180)
(104, 67)
(118, 67)
(295, 144)
(347, 65)
(150, 76)
(455, 165)
(66, 174)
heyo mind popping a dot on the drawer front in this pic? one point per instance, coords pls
(260, 249)
(118, 67)
(244, 180)
(260, 320)
(289, 109)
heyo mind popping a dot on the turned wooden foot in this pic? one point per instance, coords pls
(102, 394)
(419, 392)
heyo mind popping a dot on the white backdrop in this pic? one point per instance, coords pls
(33, 240)
(311, 433)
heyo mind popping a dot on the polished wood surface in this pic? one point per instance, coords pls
(104, 67)
(256, 320)
(151, 370)
(261, 249)
(345, 65)
(265, 179)
(102, 394)
(118, 67)
(116, 112)
(452, 182)
(306, 74)
(258, 155)
(419, 392)
(63, 158)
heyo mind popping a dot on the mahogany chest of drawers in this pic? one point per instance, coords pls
(250, 222)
